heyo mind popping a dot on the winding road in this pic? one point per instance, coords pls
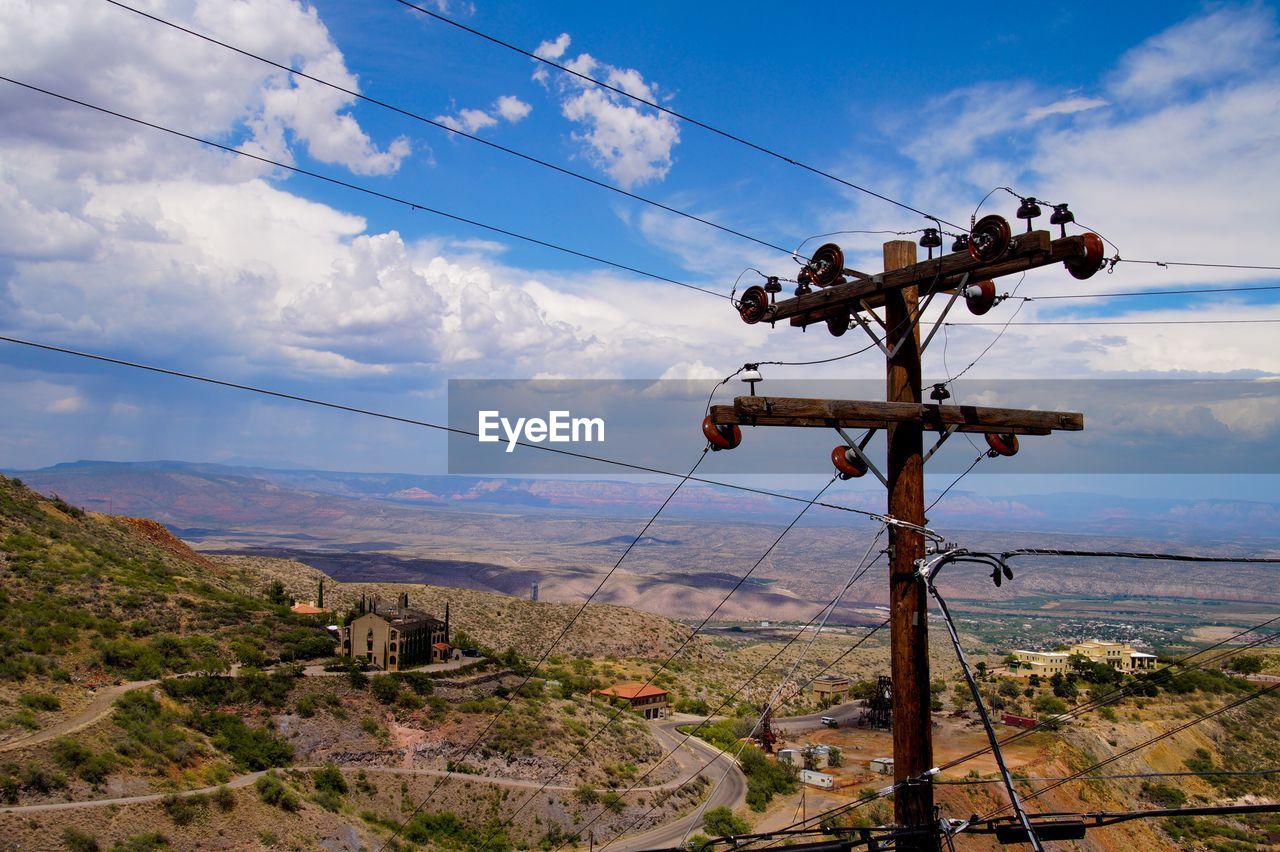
(729, 786)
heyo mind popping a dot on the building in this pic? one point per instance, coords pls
(1118, 655)
(883, 765)
(817, 779)
(646, 699)
(395, 638)
(831, 689)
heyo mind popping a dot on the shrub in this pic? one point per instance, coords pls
(272, 790)
(78, 841)
(586, 794)
(385, 688)
(183, 810)
(1246, 664)
(330, 779)
(41, 701)
(1164, 795)
(721, 822)
(224, 798)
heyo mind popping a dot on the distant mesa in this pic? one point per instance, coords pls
(416, 494)
(626, 539)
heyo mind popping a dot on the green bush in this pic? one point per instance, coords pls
(1164, 795)
(330, 779)
(78, 841)
(385, 688)
(224, 798)
(252, 749)
(272, 790)
(151, 841)
(721, 822)
(184, 810)
(41, 701)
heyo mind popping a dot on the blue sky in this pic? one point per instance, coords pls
(1157, 122)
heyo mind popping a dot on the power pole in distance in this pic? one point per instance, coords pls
(844, 295)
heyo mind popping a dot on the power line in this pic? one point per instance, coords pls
(673, 113)
(1117, 694)
(455, 130)
(661, 668)
(1136, 293)
(1149, 742)
(413, 205)
(830, 607)
(962, 782)
(1209, 265)
(409, 421)
(511, 696)
(1124, 322)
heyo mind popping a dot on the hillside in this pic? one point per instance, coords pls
(498, 621)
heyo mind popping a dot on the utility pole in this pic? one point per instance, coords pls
(845, 295)
(908, 602)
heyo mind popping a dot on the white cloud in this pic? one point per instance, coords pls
(553, 49)
(1066, 106)
(67, 405)
(1186, 176)
(629, 142)
(506, 108)
(111, 57)
(512, 108)
(1202, 50)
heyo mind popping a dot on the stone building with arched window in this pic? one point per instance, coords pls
(395, 638)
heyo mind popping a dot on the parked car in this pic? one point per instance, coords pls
(829, 721)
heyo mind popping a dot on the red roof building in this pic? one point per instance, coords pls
(646, 699)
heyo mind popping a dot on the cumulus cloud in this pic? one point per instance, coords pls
(506, 108)
(629, 142)
(110, 57)
(1170, 155)
(1202, 50)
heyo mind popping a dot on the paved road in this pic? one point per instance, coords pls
(729, 788)
(845, 714)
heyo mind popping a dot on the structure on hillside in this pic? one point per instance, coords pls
(395, 638)
(879, 710)
(831, 689)
(646, 699)
(1118, 655)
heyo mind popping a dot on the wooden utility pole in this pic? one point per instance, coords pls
(905, 418)
(908, 602)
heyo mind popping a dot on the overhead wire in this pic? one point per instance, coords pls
(863, 564)
(1156, 677)
(1177, 729)
(410, 421)
(666, 110)
(856, 575)
(670, 657)
(564, 631)
(454, 130)
(413, 205)
(964, 782)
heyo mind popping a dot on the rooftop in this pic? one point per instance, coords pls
(633, 690)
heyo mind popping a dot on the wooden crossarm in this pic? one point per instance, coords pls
(858, 414)
(1028, 251)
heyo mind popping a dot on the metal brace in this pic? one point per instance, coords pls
(858, 447)
(964, 282)
(942, 439)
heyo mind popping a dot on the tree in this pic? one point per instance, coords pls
(982, 670)
(1247, 664)
(834, 757)
(721, 822)
(961, 697)
(276, 594)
